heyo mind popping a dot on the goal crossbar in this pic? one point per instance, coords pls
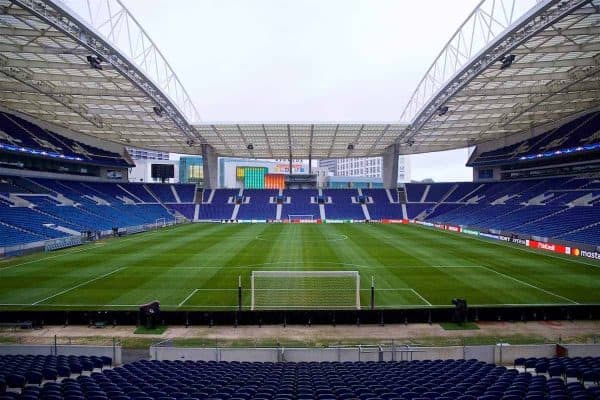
(305, 289)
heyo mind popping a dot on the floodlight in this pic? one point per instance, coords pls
(507, 61)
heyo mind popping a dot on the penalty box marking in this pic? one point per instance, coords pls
(514, 279)
(78, 286)
(194, 291)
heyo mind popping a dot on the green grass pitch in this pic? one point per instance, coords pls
(196, 267)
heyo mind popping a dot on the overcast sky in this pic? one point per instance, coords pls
(306, 60)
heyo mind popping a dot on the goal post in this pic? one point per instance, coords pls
(160, 223)
(301, 217)
(296, 290)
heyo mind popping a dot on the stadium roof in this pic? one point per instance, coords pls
(137, 100)
(542, 68)
(45, 72)
(319, 140)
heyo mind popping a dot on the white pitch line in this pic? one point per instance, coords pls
(515, 247)
(530, 285)
(45, 258)
(187, 298)
(382, 306)
(421, 297)
(87, 246)
(519, 281)
(79, 285)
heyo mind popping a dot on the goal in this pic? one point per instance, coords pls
(160, 223)
(300, 218)
(315, 290)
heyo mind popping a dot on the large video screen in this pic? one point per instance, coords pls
(163, 171)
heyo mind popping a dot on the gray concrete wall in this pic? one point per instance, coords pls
(583, 350)
(498, 354)
(506, 354)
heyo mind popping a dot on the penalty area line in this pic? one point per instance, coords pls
(78, 285)
(421, 297)
(187, 297)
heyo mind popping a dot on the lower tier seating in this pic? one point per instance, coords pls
(188, 380)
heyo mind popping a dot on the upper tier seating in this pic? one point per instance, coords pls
(579, 135)
(20, 135)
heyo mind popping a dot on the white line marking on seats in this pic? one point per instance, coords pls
(79, 285)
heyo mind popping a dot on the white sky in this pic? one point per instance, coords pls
(306, 60)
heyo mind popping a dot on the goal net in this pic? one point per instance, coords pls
(160, 223)
(300, 218)
(316, 290)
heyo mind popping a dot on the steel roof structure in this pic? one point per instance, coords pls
(131, 97)
(540, 69)
(89, 66)
(301, 140)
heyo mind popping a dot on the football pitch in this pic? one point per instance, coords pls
(196, 267)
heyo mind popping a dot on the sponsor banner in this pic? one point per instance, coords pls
(305, 221)
(556, 248)
(252, 221)
(333, 221)
(489, 235)
(523, 242)
(439, 226)
(453, 228)
(594, 255)
(394, 221)
(470, 232)
(423, 223)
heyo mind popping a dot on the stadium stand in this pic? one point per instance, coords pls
(20, 371)
(258, 206)
(300, 203)
(381, 207)
(186, 380)
(217, 204)
(21, 136)
(577, 136)
(38, 209)
(341, 206)
(560, 208)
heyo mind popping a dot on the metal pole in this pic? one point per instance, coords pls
(372, 292)
(239, 293)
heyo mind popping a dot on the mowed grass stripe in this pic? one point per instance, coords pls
(169, 264)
